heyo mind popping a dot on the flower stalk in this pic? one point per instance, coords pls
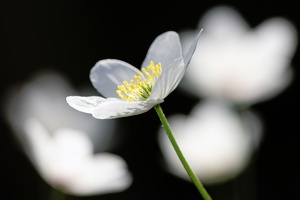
(179, 153)
(57, 195)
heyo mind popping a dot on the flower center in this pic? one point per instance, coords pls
(140, 88)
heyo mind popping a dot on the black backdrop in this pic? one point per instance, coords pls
(70, 36)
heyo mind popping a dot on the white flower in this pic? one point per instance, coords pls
(216, 141)
(238, 63)
(60, 142)
(129, 91)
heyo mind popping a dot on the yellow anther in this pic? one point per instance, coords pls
(140, 87)
(138, 78)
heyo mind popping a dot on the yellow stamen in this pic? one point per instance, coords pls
(140, 87)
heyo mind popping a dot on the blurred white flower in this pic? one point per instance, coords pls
(61, 142)
(216, 141)
(238, 63)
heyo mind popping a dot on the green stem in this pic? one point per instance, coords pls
(188, 169)
(57, 195)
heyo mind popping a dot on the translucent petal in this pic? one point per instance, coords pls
(168, 80)
(164, 49)
(117, 109)
(191, 50)
(172, 74)
(107, 74)
(85, 104)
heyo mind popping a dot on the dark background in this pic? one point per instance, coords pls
(71, 36)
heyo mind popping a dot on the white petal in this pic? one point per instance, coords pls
(110, 108)
(85, 104)
(117, 109)
(278, 37)
(190, 52)
(105, 173)
(168, 80)
(38, 144)
(108, 74)
(173, 73)
(223, 21)
(56, 156)
(164, 49)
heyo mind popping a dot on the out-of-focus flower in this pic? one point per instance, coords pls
(216, 141)
(238, 63)
(61, 143)
(130, 91)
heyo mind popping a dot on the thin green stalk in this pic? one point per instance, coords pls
(57, 195)
(188, 169)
